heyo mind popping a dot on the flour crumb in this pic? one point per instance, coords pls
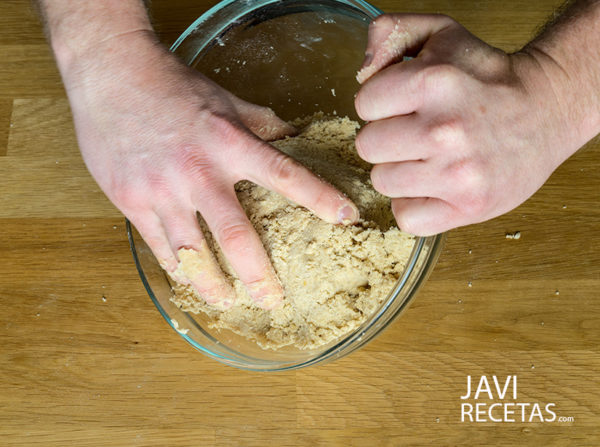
(176, 326)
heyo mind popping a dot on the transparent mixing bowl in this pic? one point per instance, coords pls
(297, 57)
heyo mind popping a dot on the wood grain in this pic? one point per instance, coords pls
(5, 114)
(43, 155)
(87, 360)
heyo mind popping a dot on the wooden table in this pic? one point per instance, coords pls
(86, 359)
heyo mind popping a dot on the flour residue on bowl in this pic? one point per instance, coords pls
(334, 277)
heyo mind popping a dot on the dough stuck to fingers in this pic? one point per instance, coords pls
(391, 51)
(333, 276)
(204, 274)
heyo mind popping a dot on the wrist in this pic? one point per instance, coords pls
(80, 31)
(120, 57)
(569, 121)
(567, 50)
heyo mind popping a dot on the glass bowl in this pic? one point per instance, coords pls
(297, 57)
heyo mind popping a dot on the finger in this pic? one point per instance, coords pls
(274, 170)
(197, 262)
(261, 121)
(425, 216)
(396, 90)
(241, 246)
(393, 36)
(393, 140)
(153, 233)
(204, 273)
(408, 179)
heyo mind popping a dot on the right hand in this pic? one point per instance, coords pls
(163, 142)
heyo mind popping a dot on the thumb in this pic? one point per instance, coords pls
(261, 121)
(394, 36)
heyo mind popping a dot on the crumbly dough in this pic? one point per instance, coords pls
(334, 277)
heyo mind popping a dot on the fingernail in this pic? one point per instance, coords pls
(347, 215)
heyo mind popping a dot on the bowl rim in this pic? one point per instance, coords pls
(256, 4)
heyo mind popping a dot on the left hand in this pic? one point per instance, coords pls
(461, 133)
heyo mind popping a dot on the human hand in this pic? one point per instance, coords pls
(461, 133)
(163, 142)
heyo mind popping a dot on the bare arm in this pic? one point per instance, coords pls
(78, 27)
(464, 132)
(568, 50)
(163, 142)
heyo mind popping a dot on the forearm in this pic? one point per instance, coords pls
(568, 50)
(78, 28)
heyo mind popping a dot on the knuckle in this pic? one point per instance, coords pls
(449, 133)
(158, 245)
(160, 188)
(440, 79)
(221, 131)
(233, 237)
(128, 197)
(444, 19)
(283, 171)
(229, 136)
(221, 125)
(192, 161)
(383, 21)
(470, 179)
